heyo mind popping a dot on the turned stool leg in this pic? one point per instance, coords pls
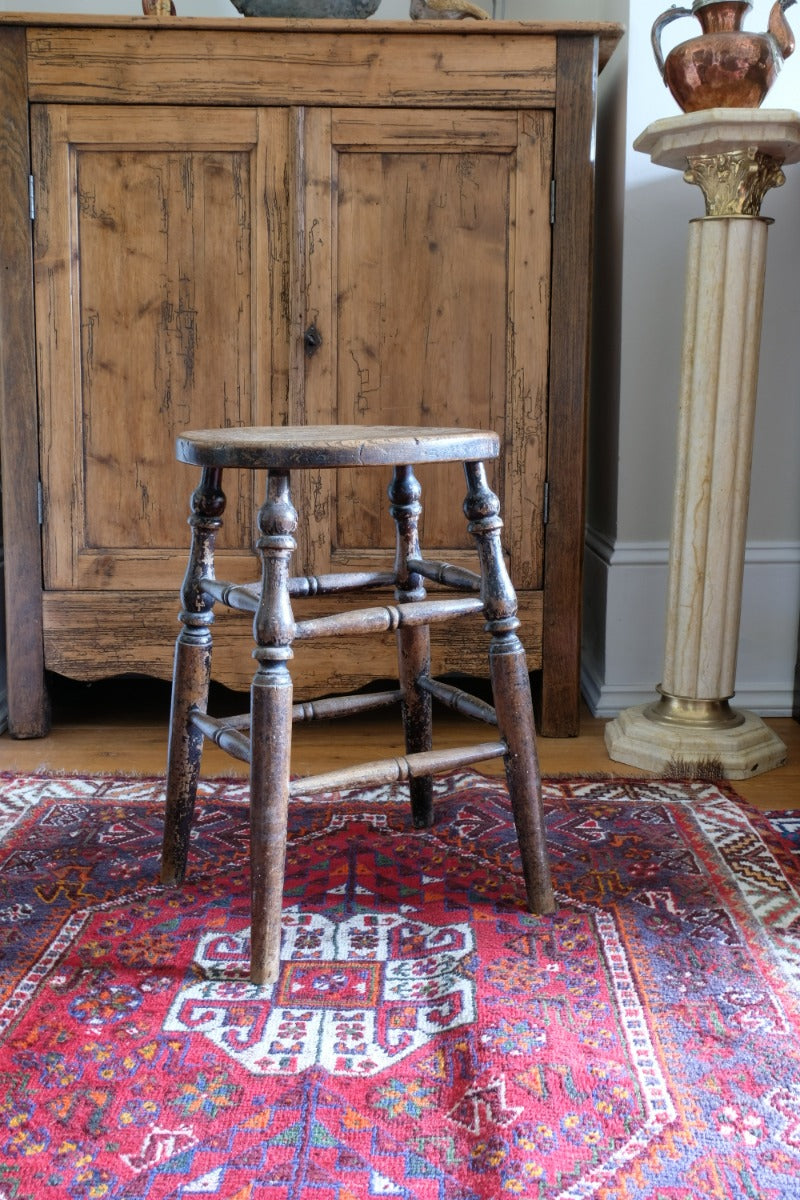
(413, 643)
(191, 677)
(271, 729)
(511, 687)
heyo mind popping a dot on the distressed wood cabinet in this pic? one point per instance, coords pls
(256, 222)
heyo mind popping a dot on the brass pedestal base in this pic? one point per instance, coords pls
(707, 740)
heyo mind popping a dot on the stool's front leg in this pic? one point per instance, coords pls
(271, 729)
(191, 677)
(413, 643)
(511, 688)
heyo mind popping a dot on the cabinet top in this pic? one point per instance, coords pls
(607, 33)
(413, 64)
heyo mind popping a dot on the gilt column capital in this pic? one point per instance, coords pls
(734, 183)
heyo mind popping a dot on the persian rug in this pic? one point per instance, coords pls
(427, 1038)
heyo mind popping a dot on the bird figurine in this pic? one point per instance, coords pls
(445, 10)
(158, 8)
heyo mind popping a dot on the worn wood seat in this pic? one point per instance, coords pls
(293, 446)
(262, 736)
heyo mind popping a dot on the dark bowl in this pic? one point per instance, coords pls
(306, 8)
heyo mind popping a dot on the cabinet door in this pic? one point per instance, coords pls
(427, 264)
(161, 281)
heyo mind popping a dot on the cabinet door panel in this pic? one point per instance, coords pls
(156, 312)
(439, 314)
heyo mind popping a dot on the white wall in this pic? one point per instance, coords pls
(635, 388)
(643, 211)
(658, 206)
(633, 550)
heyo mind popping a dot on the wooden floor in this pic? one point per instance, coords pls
(120, 727)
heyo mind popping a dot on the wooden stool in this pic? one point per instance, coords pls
(263, 736)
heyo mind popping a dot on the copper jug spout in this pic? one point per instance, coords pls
(779, 28)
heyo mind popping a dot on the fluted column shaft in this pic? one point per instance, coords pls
(722, 331)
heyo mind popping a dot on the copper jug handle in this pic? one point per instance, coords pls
(665, 19)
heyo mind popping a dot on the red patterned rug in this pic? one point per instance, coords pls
(427, 1038)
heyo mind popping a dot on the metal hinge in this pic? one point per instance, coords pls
(546, 503)
(31, 198)
(552, 201)
(39, 501)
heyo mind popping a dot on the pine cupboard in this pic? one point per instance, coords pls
(225, 222)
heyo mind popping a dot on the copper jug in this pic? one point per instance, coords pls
(724, 66)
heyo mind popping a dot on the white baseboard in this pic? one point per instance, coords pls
(623, 634)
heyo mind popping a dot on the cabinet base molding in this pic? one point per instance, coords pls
(87, 636)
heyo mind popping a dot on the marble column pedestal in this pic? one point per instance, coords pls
(735, 156)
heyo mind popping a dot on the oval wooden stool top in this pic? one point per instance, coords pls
(274, 447)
